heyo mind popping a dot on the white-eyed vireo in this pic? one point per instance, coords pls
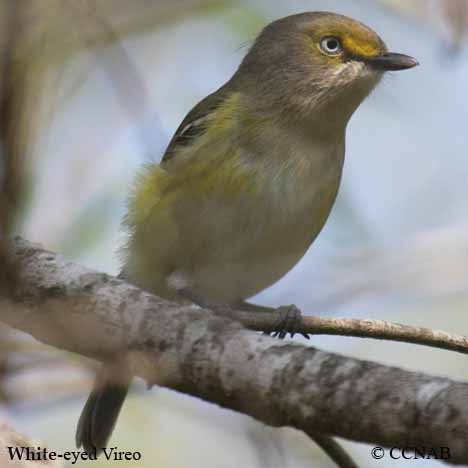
(249, 178)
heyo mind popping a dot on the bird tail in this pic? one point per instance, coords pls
(101, 411)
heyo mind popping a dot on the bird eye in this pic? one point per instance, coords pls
(331, 45)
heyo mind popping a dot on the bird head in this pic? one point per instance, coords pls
(313, 62)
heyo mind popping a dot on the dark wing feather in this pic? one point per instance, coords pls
(193, 125)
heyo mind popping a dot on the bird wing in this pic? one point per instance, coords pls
(193, 126)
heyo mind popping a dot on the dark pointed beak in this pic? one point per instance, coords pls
(392, 62)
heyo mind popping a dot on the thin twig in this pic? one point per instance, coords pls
(361, 328)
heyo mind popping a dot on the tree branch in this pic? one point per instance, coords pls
(191, 350)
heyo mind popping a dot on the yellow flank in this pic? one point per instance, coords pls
(149, 185)
(230, 179)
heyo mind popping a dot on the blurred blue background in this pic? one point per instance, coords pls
(395, 246)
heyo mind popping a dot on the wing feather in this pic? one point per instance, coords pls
(193, 126)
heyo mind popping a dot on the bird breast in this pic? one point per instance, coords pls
(262, 235)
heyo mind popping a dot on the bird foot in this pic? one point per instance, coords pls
(289, 321)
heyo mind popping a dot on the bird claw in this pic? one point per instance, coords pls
(289, 321)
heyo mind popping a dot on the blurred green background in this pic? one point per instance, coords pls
(100, 88)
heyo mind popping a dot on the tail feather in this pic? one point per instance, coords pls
(100, 413)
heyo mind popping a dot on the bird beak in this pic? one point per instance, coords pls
(392, 62)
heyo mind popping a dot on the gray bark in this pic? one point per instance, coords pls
(196, 352)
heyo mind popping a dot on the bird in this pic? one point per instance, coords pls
(248, 180)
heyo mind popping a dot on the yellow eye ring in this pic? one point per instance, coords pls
(331, 45)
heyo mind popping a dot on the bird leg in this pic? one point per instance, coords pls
(288, 318)
(221, 309)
